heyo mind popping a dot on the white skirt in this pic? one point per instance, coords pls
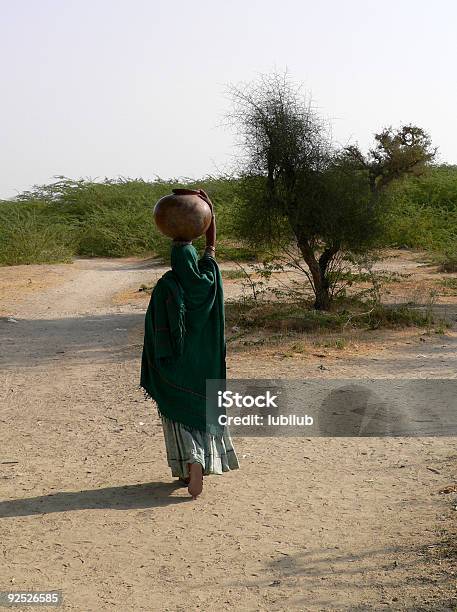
(215, 453)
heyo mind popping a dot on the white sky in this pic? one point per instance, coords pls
(136, 88)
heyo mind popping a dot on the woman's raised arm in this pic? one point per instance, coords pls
(210, 248)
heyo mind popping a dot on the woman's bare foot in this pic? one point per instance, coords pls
(196, 480)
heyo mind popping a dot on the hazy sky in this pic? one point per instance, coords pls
(136, 88)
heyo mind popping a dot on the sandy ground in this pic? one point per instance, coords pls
(88, 505)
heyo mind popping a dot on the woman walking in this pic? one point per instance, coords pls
(184, 345)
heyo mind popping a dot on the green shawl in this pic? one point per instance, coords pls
(184, 341)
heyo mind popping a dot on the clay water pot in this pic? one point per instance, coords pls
(182, 215)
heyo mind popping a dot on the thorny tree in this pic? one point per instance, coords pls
(296, 184)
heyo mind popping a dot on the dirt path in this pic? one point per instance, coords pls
(88, 505)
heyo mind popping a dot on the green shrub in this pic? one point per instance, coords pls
(424, 211)
(112, 218)
(32, 233)
(298, 316)
(117, 231)
(448, 259)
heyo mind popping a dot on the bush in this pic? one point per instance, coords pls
(32, 233)
(112, 218)
(424, 211)
(117, 232)
(299, 316)
(448, 259)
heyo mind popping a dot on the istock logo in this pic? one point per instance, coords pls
(228, 399)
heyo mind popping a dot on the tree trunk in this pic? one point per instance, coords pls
(323, 300)
(318, 270)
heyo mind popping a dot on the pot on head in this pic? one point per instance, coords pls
(182, 215)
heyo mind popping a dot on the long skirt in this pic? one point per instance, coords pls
(215, 453)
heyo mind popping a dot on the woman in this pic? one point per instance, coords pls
(184, 345)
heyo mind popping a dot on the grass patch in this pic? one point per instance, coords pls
(365, 277)
(233, 274)
(449, 265)
(280, 316)
(299, 317)
(448, 283)
(399, 316)
(337, 343)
